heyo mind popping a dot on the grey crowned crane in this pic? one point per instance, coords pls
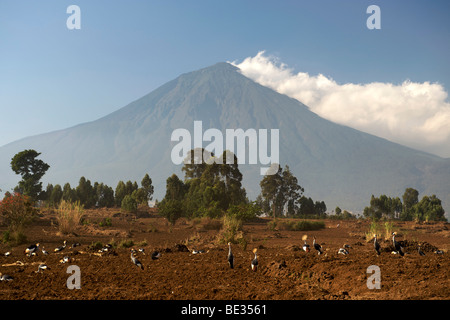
(317, 246)
(305, 245)
(135, 261)
(32, 249)
(419, 250)
(61, 248)
(156, 255)
(5, 277)
(376, 245)
(230, 256)
(397, 247)
(255, 261)
(42, 266)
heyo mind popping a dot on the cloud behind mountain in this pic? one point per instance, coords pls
(410, 113)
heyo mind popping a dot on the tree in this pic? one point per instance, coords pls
(86, 193)
(104, 195)
(69, 194)
(32, 170)
(56, 195)
(410, 198)
(147, 186)
(120, 192)
(171, 207)
(281, 190)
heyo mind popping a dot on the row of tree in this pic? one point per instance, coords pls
(127, 195)
(428, 208)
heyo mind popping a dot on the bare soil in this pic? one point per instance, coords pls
(285, 271)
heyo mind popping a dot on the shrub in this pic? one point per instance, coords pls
(70, 215)
(231, 230)
(106, 222)
(17, 212)
(292, 225)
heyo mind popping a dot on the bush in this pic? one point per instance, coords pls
(69, 216)
(292, 225)
(231, 231)
(17, 212)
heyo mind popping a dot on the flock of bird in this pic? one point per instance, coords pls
(33, 250)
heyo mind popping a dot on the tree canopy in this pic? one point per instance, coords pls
(26, 164)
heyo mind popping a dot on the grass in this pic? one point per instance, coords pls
(231, 231)
(69, 216)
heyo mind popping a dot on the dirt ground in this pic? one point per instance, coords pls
(285, 271)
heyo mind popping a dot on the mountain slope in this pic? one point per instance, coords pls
(334, 163)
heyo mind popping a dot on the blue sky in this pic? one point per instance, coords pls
(53, 78)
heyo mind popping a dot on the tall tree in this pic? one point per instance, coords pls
(281, 190)
(146, 184)
(26, 164)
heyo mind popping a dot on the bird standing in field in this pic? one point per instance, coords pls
(317, 246)
(397, 247)
(305, 245)
(32, 249)
(255, 261)
(420, 250)
(343, 251)
(230, 256)
(135, 260)
(61, 248)
(376, 245)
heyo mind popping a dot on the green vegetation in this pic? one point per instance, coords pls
(32, 170)
(428, 208)
(212, 188)
(295, 225)
(17, 212)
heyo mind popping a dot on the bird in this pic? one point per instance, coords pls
(376, 245)
(42, 266)
(7, 254)
(58, 249)
(66, 259)
(397, 247)
(343, 251)
(135, 260)
(142, 250)
(5, 277)
(156, 255)
(317, 246)
(254, 263)
(230, 256)
(32, 249)
(439, 252)
(76, 244)
(420, 251)
(44, 251)
(305, 245)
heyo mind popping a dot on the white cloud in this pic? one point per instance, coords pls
(413, 114)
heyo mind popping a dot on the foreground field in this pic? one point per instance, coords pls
(285, 271)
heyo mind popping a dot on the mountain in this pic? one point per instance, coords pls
(334, 163)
